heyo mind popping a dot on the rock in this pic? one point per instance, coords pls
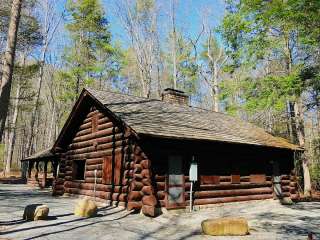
(286, 201)
(225, 227)
(34, 212)
(85, 208)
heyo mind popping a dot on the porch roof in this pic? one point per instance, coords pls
(41, 155)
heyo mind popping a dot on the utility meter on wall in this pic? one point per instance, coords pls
(193, 171)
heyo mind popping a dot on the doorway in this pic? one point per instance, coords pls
(175, 182)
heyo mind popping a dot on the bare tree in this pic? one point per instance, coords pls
(215, 59)
(12, 133)
(8, 63)
(50, 23)
(174, 43)
(140, 22)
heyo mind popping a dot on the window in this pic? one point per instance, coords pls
(78, 169)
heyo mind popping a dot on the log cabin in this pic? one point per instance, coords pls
(138, 152)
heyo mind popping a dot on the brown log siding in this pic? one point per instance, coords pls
(104, 146)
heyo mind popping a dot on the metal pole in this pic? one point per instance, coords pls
(95, 182)
(191, 196)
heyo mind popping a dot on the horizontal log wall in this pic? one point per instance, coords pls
(289, 186)
(226, 191)
(57, 184)
(97, 137)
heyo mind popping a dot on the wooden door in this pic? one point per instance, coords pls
(175, 182)
(277, 180)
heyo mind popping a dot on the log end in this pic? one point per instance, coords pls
(151, 211)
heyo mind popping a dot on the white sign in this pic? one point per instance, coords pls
(193, 172)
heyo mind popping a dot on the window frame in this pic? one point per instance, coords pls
(74, 173)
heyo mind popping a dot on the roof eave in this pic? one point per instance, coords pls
(293, 148)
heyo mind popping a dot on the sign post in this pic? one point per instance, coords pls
(193, 176)
(95, 183)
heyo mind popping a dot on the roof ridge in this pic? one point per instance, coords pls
(120, 93)
(166, 103)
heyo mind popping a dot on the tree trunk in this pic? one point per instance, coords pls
(306, 177)
(51, 128)
(174, 42)
(301, 139)
(12, 134)
(291, 122)
(215, 87)
(298, 121)
(8, 62)
(6, 141)
(318, 117)
(36, 106)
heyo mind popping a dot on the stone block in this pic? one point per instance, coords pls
(85, 208)
(225, 227)
(34, 212)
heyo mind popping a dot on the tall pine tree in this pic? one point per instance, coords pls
(90, 48)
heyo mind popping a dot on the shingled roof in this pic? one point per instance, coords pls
(157, 118)
(41, 155)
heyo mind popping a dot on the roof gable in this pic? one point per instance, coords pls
(79, 111)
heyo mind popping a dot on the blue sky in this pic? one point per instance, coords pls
(189, 16)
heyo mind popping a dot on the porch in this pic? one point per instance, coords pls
(42, 168)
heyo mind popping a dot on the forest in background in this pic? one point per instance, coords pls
(261, 63)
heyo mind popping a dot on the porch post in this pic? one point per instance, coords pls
(44, 178)
(30, 166)
(37, 170)
(54, 164)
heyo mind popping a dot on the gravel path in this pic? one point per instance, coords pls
(267, 220)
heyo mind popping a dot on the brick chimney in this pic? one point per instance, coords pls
(174, 96)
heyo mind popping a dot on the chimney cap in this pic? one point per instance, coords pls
(175, 91)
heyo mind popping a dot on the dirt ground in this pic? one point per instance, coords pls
(267, 219)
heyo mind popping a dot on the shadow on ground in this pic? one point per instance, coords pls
(112, 222)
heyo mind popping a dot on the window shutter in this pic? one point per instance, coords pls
(117, 168)
(257, 178)
(107, 170)
(94, 123)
